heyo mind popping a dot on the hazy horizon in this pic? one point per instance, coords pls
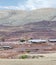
(27, 4)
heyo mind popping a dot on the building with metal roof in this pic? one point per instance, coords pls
(7, 47)
(52, 40)
(37, 41)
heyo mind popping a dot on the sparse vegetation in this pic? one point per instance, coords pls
(33, 57)
(2, 39)
(30, 57)
(42, 56)
(27, 50)
(24, 56)
(22, 40)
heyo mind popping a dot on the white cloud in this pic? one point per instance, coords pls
(32, 4)
(8, 7)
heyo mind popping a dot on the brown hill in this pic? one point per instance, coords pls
(41, 29)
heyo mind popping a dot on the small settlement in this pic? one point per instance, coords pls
(31, 45)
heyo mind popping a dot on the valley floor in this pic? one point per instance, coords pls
(49, 59)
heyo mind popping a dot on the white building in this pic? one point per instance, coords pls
(7, 47)
(37, 41)
(52, 40)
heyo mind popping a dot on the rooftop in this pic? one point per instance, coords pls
(37, 40)
(52, 40)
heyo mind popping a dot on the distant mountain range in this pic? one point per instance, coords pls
(39, 23)
(20, 17)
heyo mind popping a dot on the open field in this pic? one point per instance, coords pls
(49, 59)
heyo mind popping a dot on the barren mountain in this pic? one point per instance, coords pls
(20, 17)
(39, 23)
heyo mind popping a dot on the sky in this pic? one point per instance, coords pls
(27, 4)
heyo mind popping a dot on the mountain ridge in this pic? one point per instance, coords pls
(21, 17)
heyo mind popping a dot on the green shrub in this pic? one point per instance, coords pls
(22, 40)
(24, 56)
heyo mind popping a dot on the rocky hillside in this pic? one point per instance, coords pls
(42, 29)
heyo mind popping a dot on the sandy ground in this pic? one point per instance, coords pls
(49, 59)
